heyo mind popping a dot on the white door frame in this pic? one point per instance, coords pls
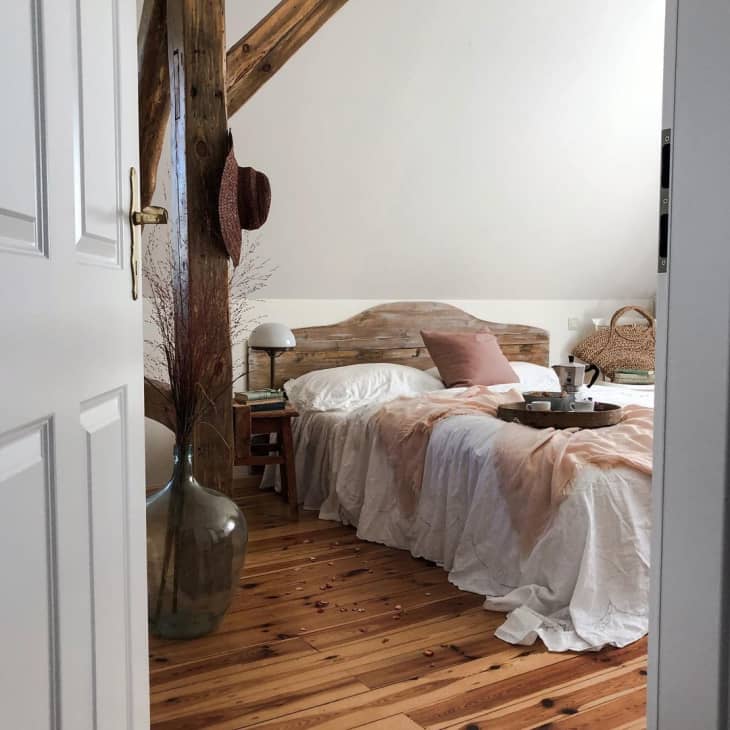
(688, 642)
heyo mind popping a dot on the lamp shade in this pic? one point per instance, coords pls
(272, 336)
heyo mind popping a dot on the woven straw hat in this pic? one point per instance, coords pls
(244, 200)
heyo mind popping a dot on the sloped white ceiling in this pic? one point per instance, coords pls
(462, 150)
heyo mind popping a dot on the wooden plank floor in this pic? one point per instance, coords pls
(331, 632)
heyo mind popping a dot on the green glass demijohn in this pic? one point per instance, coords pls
(196, 544)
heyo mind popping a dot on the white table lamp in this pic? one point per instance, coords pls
(274, 338)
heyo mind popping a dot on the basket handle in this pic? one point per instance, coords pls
(631, 308)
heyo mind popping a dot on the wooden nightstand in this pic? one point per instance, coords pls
(246, 424)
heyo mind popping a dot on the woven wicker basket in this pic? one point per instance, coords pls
(621, 346)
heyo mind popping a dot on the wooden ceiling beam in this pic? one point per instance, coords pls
(250, 63)
(254, 59)
(154, 93)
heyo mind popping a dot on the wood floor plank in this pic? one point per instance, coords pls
(383, 624)
(263, 626)
(283, 559)
(624, 713)
(285, 658)
(302, 674)
(301, 529)
(165, 674)
(413, 662)
(334, 574)
(372, 579)
(443, 714)
(450, 686)
(396, 722)
(573, 699)
(414, 653)
(246, 713)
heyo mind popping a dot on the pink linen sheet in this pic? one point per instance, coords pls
(535, 467)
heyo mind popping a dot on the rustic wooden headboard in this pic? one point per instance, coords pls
(389, 333)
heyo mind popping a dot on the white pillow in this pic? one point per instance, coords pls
(532, 377)
(536, 377)
(352, 386)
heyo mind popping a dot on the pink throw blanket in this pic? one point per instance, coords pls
(535, 467)
(405, 426)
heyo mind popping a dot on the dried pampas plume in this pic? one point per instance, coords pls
(179, 356)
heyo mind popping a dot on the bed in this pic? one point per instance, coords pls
(583, 585)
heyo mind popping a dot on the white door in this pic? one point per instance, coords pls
(72, 564)
(690, 591)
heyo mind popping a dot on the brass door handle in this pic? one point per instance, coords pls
(151, 215)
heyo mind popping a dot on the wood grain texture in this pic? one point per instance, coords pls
(390, 333)
(328, 631)
(158, 403)
(254, 59)
(153, 93)
(196, 57)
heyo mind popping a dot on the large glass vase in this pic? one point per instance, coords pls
(196, 544)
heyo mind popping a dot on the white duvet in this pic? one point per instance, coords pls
(584, 585)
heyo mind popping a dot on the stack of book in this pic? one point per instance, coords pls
(629, 376)
(262, 400)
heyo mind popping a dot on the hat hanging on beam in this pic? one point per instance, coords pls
(244, 200)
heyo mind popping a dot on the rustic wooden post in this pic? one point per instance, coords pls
(197, 69)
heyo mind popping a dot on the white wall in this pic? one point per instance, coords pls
(478, 149)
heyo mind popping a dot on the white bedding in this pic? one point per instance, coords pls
(585, 583)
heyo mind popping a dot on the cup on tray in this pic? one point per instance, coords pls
(582, 406)
(539, 405)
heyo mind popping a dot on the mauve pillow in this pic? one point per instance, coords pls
(468, 358)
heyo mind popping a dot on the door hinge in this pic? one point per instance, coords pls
(664, 200)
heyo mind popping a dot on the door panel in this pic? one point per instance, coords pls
(71, 421)
(21, 215)
(28, 604)
(103, 422)
(97, 173)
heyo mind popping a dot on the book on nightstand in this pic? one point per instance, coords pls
(630, 376)
(264, 394)
(267, 405)
(271, 400)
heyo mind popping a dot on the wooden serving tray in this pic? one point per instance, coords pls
(605, 414)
